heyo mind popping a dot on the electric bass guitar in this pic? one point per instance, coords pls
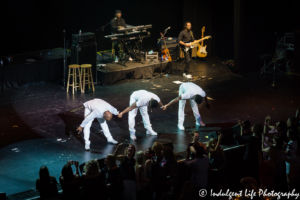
(165, 52)
(193, 44)
(201, 48)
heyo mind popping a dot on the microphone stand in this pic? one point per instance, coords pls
(161, 59)
(102, 59)
(64, 59)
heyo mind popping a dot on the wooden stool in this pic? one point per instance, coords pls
(86, 71)
(74, 84)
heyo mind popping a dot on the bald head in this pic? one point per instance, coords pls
(107, 115)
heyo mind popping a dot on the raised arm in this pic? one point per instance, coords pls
(220, 137)
(267, 123)
(173, 101)
(130, 108)
(120, 158)
(242, 127)
(262, 144)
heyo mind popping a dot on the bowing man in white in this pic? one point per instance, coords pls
(101, 110)
(141, 99)
(196, 95)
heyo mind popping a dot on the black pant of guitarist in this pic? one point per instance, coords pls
(188, 59)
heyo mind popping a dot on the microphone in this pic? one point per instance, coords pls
(168, 28)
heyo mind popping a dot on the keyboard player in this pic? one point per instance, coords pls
(116, 23)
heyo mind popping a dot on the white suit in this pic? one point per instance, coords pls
(188, 91)
(95, 109)
(141, 98)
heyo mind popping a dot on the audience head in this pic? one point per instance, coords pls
(44, 174)
(211, 144)
(277, 139)
(257, 129)
(167, 153)
(110, 161)
(198, 99)
(140, 159)
(199, 151)
(281, 125)
(292, 134)
(147, 153)
(246, 125)
(118, 13)
(67, 173)
(249, 183)
(156, 148)
(91, 167)
(195, 135)
(130, 150)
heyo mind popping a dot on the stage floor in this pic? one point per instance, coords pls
(30, 121)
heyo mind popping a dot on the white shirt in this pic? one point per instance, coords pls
(97, 107)
(142, 97)
(199, 167)
(189, 90)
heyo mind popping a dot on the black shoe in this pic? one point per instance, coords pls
(187, 71)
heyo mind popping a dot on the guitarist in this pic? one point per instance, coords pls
(186, 36)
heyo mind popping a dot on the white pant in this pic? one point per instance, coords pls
(86, 129)
(181, 110)
(132, 114)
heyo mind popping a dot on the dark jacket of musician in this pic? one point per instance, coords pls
(117, 22)
(186, 36)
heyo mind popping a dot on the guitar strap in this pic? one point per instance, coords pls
(191, 32)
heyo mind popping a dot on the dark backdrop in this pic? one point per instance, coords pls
(36, 25)
(255, 24)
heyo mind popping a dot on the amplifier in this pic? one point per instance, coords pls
(84, 38)
(171, 42)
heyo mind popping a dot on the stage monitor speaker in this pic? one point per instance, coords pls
(85, 54)
(231, 135)
(228, 137)
(212, 135)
